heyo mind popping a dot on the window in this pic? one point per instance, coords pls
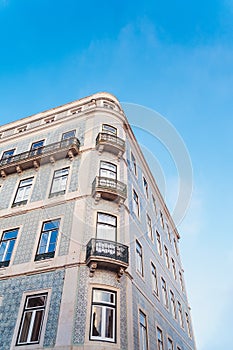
(176, 247)
(178, 348)
(159, 338)
(103, 315)
(169, 344)
(139, 265)
(68, 135)
(59, 182)
(143, 331)
(135, 203)
(154, 279)
(32, 319)
(106, 226)
(149, 227)
(154, 205)
(49, 120)
(166, 256)
(181, 281)
(23, 192)
(48, 240)
(7, 245)
(173, 303)
(22, 129)
(7, 156)
(134, 164)
(36, 147)
(164, 292)
(161, 220)
(108, 170)
(168, 232)
(109, 129)
(145, 187)
(173, 268)
(159, 247)
(188, 324)
(180, 314)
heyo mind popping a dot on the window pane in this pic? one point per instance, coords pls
(109, 323)
(37, 326)
(68, 134)
(25, 327)
(107, 219)
(96, 321)
(109, 128)
(106, 297)
(10, 234)
(36, 301)
(2, 250)
(106, 232)
(9, 250)
(43, 243)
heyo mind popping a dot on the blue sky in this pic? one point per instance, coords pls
(174, 57)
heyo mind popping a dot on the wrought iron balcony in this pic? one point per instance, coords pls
(110, 143)
(107, 254)
(35, 158)
(108, 188)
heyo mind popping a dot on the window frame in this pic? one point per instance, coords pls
(174, 268)
(154, 278)
(47, 254)
(143, 331)
(139, 258)
(3, 262)
(188, 324)
(24, 310)
(149, 227)
(61, 192)
(24, 201)
(34, 151)
(134, 164)
(136, 204)
(164, 292)
(63, 137)
(145, 186)
(159, 244)
(105, 305)
(166, 254)
(108, 129)
(114, 227)
(171, 343)
(105, 168)
(159, 340)
(173, 304)
(5, 156)
(180, 314)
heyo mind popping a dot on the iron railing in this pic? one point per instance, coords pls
(107, 249)
(104, 137)
(41, 151)
(107, 184)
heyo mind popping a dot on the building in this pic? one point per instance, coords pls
(89, 253)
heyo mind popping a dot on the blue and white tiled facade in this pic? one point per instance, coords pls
(68, 276)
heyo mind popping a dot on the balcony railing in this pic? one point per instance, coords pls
(108, 188)
(107, 252)
(33, 158)
(110, 143)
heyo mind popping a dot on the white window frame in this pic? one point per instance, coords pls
(149, 227)
(164, 292)
(14, 345)
(154, 279)
(134, 164)
(104, 305)
(173, 268)
(143, 334)
(135, 203)
(159, 244)
(159, 340)
(139, 257)
(173, 303)
(145, 187)
(25, 194)
(170, 344)
(166, 254)
(112, 227)
(60, 178)
(47, 254)
(3, 262)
